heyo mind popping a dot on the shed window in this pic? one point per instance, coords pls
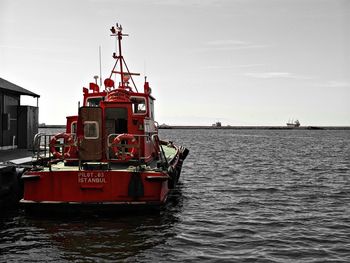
(91, 130)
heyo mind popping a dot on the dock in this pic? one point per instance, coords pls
(13, 163)
(16, 156)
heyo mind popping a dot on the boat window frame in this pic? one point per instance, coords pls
(97, 130)
(93, 97)
(74, 123)
(132, 105)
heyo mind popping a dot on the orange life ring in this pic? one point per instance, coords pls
(68, 150)
(119, 149)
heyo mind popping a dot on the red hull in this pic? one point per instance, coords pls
(95, 186)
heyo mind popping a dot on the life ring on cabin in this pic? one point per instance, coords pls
(119, 149)
(68, 141)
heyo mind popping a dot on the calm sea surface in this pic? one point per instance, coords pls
(245, 196)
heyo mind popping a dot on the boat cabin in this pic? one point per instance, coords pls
(114, 124)
(106, 115)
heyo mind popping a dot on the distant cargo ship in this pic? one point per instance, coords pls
(292, 123)
(217, 124)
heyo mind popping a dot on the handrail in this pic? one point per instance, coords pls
(41, 146)
(155, 140)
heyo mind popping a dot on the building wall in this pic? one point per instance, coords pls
(1, 112)
(27, 126)
(9, 123)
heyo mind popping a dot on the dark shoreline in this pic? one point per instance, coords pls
(259, 127)
(186, 127)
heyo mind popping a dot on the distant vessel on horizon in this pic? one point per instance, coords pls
(216, 124)
(292, 123)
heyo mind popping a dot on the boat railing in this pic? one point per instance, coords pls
(42, 153)
(41, 146)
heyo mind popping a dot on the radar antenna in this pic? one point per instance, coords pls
(124, 75)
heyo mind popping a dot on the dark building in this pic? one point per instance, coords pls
(18, 124)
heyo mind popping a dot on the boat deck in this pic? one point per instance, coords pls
(169, 153)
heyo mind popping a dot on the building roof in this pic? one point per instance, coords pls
(7, 85)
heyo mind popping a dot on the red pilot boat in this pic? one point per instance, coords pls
(110, 156)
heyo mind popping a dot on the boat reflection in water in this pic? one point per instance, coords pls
(97, 238)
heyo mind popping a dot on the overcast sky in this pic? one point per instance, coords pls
(241, 62)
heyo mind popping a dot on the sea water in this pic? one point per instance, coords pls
(244, 196)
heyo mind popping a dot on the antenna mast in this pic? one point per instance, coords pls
(120, 37)
(99, 52)
(118, 33)
(124, 76)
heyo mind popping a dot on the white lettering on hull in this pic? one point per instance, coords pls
(92, 177)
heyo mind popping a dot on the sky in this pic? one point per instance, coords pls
(240, 62)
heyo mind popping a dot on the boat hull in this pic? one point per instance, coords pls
(94, 189)
(101, 186)
(78, 208)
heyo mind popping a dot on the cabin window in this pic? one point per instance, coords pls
(138, 105)
(73, 127)
(93, 101)
(91, 130)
